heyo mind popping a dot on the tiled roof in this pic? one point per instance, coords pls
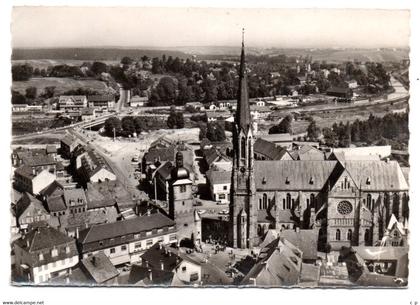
(219, 176)
(278, 137)
(51, 149)
(139, 274)
(308, 153)
(99, 267)
(100, 98)
(27, 172)
(269, 149)
(29, 201)
(124, 227)
(382, 175)
(273, 175)
(160, 154)
(305, 240)
(106, 193)
(74, 195)
(56, 204)
(54, 188)
(164, 170)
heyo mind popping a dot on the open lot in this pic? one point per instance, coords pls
(61, 84)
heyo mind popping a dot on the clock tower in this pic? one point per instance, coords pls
(243, 209)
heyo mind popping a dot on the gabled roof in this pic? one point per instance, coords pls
(269, 149)
(124, 227)
(27, 201)
(164, 170)
(218, 176)
(278, 137)
(140, 275)
(377, 175)
(106, 193)
(43, 238)
(308, 152)
(68, 139)
(394, 223)
(28, 172)
(160, 154)
(100, 98)
(274, 175)
(99, 267)
(56, 204)
(305, 240)
(74, 195)
(54, 188)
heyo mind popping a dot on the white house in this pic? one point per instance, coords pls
(219, 182)
(31, 180)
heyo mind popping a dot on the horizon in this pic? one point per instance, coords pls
(123, 27)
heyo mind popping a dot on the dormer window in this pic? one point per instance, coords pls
(264, 181)
(311, 180)
(287, 180)
(41, 256)
(67, 249)
(368, 181)
(54, 252)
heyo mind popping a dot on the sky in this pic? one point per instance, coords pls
(38, 27)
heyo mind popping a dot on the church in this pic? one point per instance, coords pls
(348, 202)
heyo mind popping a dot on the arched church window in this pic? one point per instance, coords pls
(367, 237)
(312, 200)
(338, 234)
(243, 147)
(260, 204)
(288, 201)
(349, 234)
(264, 201)
(369, 201)
(284, 204)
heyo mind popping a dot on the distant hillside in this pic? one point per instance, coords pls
(110, 54)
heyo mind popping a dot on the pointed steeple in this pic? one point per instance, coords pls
(243, 115)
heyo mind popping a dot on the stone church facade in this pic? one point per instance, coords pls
(348, 202)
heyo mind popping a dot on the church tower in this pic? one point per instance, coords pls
(181, 208)
(243, 209)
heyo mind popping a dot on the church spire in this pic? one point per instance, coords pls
(243, 116)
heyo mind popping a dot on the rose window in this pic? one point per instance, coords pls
(344, 208)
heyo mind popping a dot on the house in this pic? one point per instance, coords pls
(102, 101)
(219, 183)
(106, 194)
(216, 158)
(29, 210)
(91, 167)
(91, 271)
(138, 101)
(72, 102)
(154, 157)
(265, 150)
(305, 240)
(44, 253)
(377, 266)
(19, 107)
(31, 180)
(37, 159)
(278, 264)
(51, 150)
(124, 241)
(280, 139)
(184, 269)
(308, 153)
(340, 92)
(68, 145)
(395, 234)
(213, 116)
(380, 152)
(87, 114)
(352, 84)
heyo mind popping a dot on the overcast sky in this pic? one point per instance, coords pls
(157, 27)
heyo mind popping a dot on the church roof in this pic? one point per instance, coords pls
(377, 175)
(292, 175)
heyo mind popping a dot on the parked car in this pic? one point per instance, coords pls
(224, 212)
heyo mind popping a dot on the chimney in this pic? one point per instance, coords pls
(150, 275)
(148, 212)
(387, 160)
(70, 271)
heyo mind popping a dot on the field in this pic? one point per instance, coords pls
(61, 84)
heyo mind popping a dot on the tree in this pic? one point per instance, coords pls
(313, 130)
(18, 98)
(215, 132)
(166, 90)
(330, 137)
(127, 125)
(22, 72)
(48, 92)
(138, 124)
(110, 124)
(31, 93)
(285, 126)
(126, 60)
(99, 67)
(175, 119)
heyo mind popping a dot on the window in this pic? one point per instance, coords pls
(396, 234)
(184, 269)
(260, 204)
(224, 187)
(136, 236)
(149, 242)
(54, 252)
(312, 201)
(67, 249)
(288, 201)
(369, 201)
(183, 188)
(194, 277)
(338, 234)
(264, 201)
(41, 256)
(284, 204)
(172, 237)
(123, 247)
(137, 245)
(112, 250)
(148, 233)
(222, 196)
(344, 208)
(349, 234)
